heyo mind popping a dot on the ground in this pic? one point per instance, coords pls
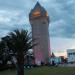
(44, 71)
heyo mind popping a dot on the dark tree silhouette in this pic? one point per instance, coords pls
(19, 41)
(1, 47)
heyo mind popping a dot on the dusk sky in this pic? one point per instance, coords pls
(15, 14)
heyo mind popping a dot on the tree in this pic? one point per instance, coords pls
(3, 55)
(1, 48)
(20, 42)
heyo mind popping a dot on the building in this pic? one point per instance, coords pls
(39, 21)
(53, 60)
(71, 55)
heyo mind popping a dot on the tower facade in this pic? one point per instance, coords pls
(39, 21)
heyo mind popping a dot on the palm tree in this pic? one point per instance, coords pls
(20, 42)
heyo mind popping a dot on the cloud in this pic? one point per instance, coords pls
(3, 32)
(62, 19)
(12, 19)
(15, 14)
(61, 44)
(56, 28)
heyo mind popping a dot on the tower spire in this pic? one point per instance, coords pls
(38, 10)
(38, 3)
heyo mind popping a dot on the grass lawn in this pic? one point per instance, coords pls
(43, 71)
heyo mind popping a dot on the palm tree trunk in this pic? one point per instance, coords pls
(20, 65)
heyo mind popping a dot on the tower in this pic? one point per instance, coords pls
(39, 21)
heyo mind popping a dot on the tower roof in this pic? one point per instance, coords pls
(38, 10)
(53, 55)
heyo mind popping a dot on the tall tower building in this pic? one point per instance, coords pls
(39, 21)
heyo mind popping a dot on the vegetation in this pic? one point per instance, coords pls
(44, 71)
(19, 41)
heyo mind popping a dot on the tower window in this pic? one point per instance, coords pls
(36, 13)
